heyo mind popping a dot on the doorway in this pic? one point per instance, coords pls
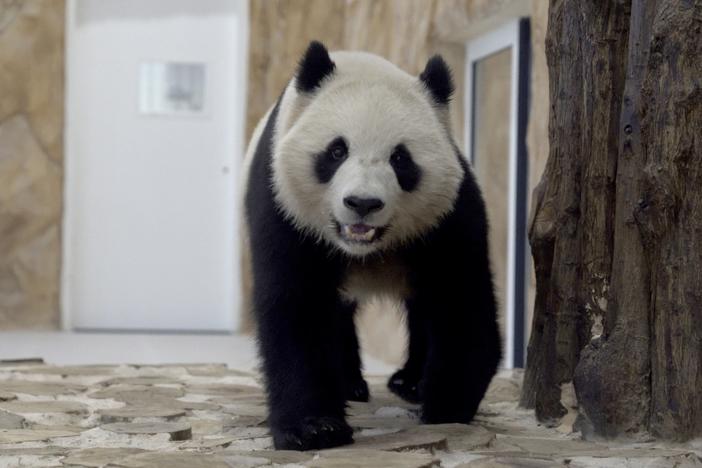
(497, 80)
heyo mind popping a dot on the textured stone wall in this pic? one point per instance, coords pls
(279, 31)
(31, 161)
(400, 30)
(406, 32)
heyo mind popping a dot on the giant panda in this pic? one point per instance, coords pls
(354, 188)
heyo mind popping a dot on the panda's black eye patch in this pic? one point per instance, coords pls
(406, 170)
(328, 161)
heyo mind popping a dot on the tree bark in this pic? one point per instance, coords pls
(616, 225)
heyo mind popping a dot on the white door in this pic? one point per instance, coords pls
(154, 125)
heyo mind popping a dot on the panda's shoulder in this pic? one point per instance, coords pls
(253, 146)
(469, 209)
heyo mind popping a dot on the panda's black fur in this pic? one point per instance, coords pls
(306, 332)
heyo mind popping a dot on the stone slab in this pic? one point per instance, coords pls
(98, 457)
(374, 422)
(48, 450)
(682, 461)
(246, 410)
(366, 458)
(241, 433)
(176, 431)
(280, 457)
(242, 398)
(141, 380)
(5, 396)
(172, 403)
(380, 401)
(643, 452)
(403, 441)
(48, 406)
(11, 420)
(209, 443)
(206, 427)
(245, 461)
(132, 412)
(551, 446)
(41, 388)
(218, 371)
(173, 460)
(188, 405)
(224, 390)
(244, 421)
(459, 437)
(14, 436)
(512, 462)
(187, 366)
(69, 371)
(137, 393)
(58, 427)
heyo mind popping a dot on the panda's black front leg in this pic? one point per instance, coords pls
(463, 342)
(298, 333)
(304, 381)
(451, 284)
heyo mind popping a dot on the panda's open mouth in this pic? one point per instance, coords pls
(359, 233)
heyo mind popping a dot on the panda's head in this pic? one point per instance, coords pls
(363, 157)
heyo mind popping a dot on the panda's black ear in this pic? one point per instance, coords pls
(315, 65)
(437, 78)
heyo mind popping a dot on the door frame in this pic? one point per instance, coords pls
(514, 34)
(70, 194)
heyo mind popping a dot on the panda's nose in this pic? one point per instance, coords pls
(363, 206)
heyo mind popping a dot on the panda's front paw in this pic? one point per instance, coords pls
(358, 390)
(433, 415)
(405, 385)
(313, 433)
(446, 409)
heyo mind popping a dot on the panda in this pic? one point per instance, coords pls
(355, 188)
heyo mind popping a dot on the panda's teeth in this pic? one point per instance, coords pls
(368, 236)
(349, 233)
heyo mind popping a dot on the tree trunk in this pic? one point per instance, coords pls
(616, 226)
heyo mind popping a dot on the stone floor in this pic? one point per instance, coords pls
(208, 415)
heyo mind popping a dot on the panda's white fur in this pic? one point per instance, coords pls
(375, 106)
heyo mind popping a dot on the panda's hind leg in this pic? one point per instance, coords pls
(356, 386)
(407, 382)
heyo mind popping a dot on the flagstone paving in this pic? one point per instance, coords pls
(206, 415)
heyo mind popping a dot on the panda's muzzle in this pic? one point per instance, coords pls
(359, 233)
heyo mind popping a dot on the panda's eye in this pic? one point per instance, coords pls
(327, 162)
(399, 155)
(338, 150)
(407, 172)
